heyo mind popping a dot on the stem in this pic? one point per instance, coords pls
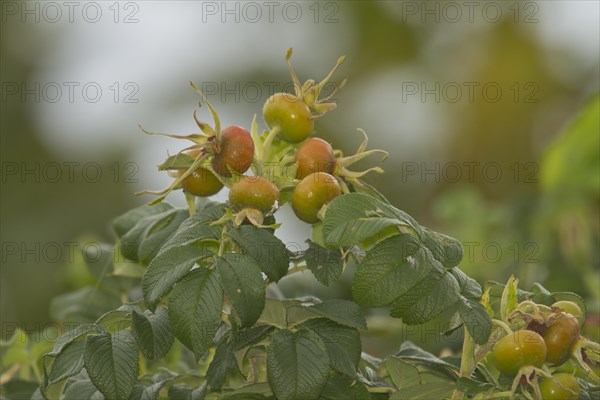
(502, 325)
(267, 144)
(191, 203)
(297, 268)
(467, 363)
(222, 242)
(498, 395)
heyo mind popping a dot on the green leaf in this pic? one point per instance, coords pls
(158, 233)
(344, 312)
(69, 362)
(153, 332)
(402, 373)
(246, 337)
(354, 217)
(243, 283)
(112, 363)
(66, 358)
(415, 355)
(266, 249)
(471, 386)
(509, 301)
(222, 364)
(284, 314)
(131, 241)
(127, 221)
(477, 320)
(326, 265)
(428, 391)
(83, 389)
(177, 257)
(427, 295)
(468, 286)
(184, 392)
(385, 272)
(341, 387)
(297, 365)
(445, 249)
(195, 309)
(342, 343)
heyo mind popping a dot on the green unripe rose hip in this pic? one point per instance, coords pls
(289, 114)
(519, 349)
(567, 387)
(312, 193)
(571, 308)
(254, 192)
(201, 182)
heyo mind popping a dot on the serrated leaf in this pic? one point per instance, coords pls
(195, 309)
(184, 392)
(428, 391)
(445, 249)
(344, 312)
(326, 265)
(472, 386)
(402, 373)
(127, 221)
(476, 319)
(297, 365)
(111, 362)
(158, 233)
(130, 242)
(469, 287)
(266, 249)
(340, 387)
(429, 297)
(342, 343)
(415, 355)
(385, 271)
(67, 363)
(153, 332)
(222, 364)
(285, 313)
(355, 217)
(246, 337)
(80, 390)
(243, 283)
(177, 257)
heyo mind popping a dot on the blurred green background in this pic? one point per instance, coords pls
(473, 104)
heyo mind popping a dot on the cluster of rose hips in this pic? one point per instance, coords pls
(544, 339)
(287, 164)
